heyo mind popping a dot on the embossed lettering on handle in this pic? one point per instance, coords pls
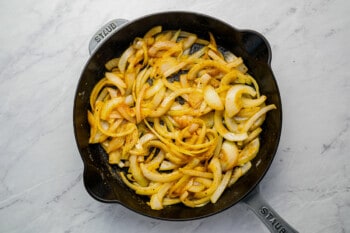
(105, 32)
(266, 214)
(271, 219)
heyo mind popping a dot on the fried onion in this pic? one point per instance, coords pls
(179, 117)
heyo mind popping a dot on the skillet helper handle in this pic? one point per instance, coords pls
(256, 45)
(104, 33)
(266, 214)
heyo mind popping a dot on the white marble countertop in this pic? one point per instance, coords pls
(43, 48)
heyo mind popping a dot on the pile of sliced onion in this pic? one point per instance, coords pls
(182, 125)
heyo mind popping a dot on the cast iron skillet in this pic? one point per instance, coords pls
(101, 180)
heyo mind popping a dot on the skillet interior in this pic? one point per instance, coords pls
(105, 185)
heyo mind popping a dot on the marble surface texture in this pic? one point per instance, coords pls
(43, 48)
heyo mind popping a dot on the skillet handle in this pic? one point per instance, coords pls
(256, 46)
(104, 33)
(266, 214)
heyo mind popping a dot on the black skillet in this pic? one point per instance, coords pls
(101, 180)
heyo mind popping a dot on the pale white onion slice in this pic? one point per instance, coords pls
(167, 165)
(129, 100)
(250, 103)
(189, 41)
(158, 97)
(222, 186)
(224, 132)
(229, 56)
(228, 155)
(245, 167)
(249, 152)
(109, 106)
(124, 58)
(153, 31)
(145, 138)
(157, 85)
(159, 177)
(117, 81)
(136, 171)
(256, 116)
(212, 98)
(156, 201)
(174, 69)
(233, 98)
